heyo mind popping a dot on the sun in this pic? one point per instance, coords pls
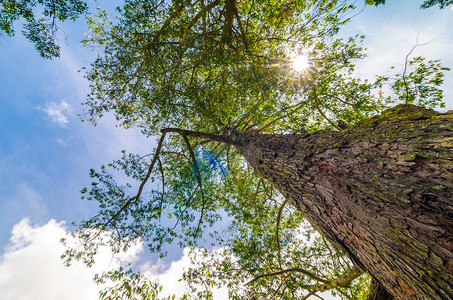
(300, 63)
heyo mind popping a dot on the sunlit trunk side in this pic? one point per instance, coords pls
(381, 191)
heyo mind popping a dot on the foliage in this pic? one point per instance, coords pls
(426, 4)
(130, 286)
(195, 72)
(420, 83)
(41, 30)
(442, 3)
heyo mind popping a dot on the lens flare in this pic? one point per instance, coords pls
(301, 63)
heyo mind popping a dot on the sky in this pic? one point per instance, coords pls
(46, 152)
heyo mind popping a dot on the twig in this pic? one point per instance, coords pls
(417, 44)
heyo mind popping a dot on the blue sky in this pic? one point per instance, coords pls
(46, 152)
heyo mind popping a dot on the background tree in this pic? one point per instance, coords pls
(40, 28)
(237, 122)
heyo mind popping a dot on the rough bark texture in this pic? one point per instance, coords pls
(382, 191)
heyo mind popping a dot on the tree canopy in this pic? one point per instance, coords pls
(190, 72)
(40, 19)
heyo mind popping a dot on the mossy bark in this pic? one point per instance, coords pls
(382, 191)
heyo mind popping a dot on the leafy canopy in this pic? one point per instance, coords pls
(192, 72)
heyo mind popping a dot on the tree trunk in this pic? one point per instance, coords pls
(378, 292)
(381, 191)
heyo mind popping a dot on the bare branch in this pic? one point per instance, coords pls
(417, 44)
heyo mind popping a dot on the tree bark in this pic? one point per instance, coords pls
(378, 292)
(382, 191)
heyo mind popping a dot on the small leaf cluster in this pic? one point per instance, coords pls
(40, 29)
(130, 285)
(419, 83)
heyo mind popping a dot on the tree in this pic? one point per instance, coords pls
(42, 31)
(245, 135)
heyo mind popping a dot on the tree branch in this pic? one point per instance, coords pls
(343, 281)
(198, 176)
(219, 138)
(405, 65)
(276, 230)
(319, 110)
(197, 17)
(292, 270)
(168, 21)
(140, 189)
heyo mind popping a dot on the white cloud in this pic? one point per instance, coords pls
(31, 268)
(58, 112)
(64, 142)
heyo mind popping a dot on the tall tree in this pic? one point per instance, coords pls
(254, 97)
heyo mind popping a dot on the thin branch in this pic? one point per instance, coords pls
(281, 284)
(210, 136)
(319, 110)
(276, 231)
(344, 294)
(292, 270)
(318, 296)
(163, 180)
(241, 28)
(405, 64)
(308, 295)
(196, 18)
(343, 281)
(198, 176)
(140, 189)
(176, 153)
(168, 21)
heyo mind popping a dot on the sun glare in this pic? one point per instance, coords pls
(300, 63)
